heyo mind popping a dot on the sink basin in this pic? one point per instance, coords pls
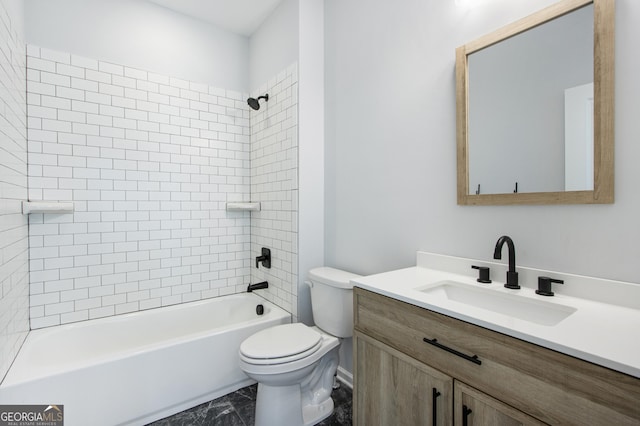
(535, 311)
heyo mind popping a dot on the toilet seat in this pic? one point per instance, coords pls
(280, 344)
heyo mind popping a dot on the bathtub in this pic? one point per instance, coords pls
(139, 367)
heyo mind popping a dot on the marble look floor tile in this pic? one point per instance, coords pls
(238, 409)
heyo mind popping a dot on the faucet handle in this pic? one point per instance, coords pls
(265, 258)
(544, 285)
(483, 274)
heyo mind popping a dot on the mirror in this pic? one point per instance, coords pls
(535, 109)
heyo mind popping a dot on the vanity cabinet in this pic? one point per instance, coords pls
(399, 387)
(402, 352)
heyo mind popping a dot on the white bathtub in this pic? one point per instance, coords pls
(139, 367)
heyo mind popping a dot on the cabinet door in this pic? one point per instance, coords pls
(391, 388)
(474, 408)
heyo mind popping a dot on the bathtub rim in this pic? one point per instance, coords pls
(8, 380)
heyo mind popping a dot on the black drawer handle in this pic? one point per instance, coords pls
(472, 358)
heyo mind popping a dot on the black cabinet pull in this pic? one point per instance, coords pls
(465, 415)
(472, 358)
(434, 398)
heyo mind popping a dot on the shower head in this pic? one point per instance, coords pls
(255, 103)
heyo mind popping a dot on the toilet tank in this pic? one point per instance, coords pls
(332, 300)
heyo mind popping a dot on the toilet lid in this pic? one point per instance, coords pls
(282, 343)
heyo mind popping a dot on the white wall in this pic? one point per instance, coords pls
(391, 164)
(274, 45)
(14, 257)
(311, 149)
(143, 35)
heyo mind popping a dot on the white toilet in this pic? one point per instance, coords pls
(295, 364)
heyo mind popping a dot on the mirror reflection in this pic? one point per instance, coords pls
(531, 109)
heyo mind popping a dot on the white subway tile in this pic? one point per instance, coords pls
(82, 62)
(56, 171)
(135, 73)
(102, 312)
(101, 269)
(77, 315)
(56, 79)
(42, 322)
(70, 70)
(56, 126)
(123, 81)
(41, 64)
(41, 88)
(66, 92)
(86, 129)
(54, 55)
(33, 50)
(98, 98)
(82, 84)
(147, 106)
(73, 116)
(168, 90)
(42, 112)
(158, 78)
(98, 76)
(53, 102)
(88, 303)
(148, 86)
(45, 299)
(112, 111)
(135, 94)
(58, 286)
(110, 89)
(111, 132)
(111, 68)
(57, 240)
(100, 120)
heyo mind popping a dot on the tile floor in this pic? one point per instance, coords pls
(237, 409)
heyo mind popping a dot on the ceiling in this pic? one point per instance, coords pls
(238, 16)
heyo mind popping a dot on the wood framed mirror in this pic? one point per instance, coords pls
(512, 133)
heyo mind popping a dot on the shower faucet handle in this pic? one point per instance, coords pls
(265, 258)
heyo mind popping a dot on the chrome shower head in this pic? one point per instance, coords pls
(255, 103)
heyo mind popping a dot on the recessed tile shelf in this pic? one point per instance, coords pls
(246, 207)
(56, 207)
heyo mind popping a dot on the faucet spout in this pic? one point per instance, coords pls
(257, 286)
(512, 275)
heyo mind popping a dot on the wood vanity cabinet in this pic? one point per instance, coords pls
(481, 377)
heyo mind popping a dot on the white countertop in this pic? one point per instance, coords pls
(605, 333)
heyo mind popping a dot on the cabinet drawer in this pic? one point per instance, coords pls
(553, 387)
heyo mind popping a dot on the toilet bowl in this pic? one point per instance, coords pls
(295, 364)
(300, 376)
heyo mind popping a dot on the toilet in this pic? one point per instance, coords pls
(295, 364)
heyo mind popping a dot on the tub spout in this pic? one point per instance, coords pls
(257, 286)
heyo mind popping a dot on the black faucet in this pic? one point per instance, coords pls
(265, 258)
(512, 275)
(257, 286)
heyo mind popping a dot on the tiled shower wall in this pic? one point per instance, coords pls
(14, 270)
(274, 182)
(149, 162)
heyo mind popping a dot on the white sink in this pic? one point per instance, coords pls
(536, 311)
